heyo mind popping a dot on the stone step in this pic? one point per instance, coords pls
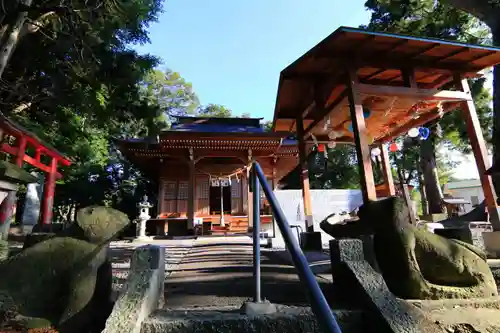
(221, 320)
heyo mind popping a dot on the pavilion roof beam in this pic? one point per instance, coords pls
(422, 94)
(388, 61)
(422, 120)
(380, 71)
(324, 112)
(322, 91)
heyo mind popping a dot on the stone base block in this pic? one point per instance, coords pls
(311, 241)
(462, 234)
(257, 309)
(287, 319)
(491, 241)
(143, 239)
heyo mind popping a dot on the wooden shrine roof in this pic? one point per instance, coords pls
(314, 86)
(169, 147)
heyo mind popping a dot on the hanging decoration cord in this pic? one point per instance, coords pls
(240, 170)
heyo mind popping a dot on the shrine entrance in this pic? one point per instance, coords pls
(216, 192)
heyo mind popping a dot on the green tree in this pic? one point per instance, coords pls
(338, 170)
(170, 92)
(214, 110)
(488, 11)
(76, 83)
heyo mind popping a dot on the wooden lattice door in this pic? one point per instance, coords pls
(202, 195)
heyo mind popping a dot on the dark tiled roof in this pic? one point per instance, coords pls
(216, 128)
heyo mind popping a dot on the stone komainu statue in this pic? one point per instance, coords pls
(415, 263)
(65, 280)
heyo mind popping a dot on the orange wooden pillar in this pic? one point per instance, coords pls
(48, 193)
(191, 191)
(480, 153)
(249, 193)
(361, 140)
(304, 174)
(386, 170)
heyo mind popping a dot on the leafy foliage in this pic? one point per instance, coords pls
(214, 110)
(76, 83)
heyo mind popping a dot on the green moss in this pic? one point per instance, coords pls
(55, 278)
(14, 173)
(98, 224)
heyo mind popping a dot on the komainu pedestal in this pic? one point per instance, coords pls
(415, 263)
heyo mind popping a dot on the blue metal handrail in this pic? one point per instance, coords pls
(319, 304)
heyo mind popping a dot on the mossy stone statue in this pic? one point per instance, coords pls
(66, 279)
(417, 264)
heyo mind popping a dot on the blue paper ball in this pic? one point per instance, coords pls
(424, 133)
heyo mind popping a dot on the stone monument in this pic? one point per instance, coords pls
(11, 176)
(31, 211)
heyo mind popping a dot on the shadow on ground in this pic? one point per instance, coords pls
(222, 275)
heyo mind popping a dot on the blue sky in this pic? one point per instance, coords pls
(232, 51)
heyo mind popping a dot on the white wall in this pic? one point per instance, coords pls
(324, 203)
(467, 194)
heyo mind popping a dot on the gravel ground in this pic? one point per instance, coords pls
(120, 254)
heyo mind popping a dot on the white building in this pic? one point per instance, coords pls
(469, 190)
(324, 204)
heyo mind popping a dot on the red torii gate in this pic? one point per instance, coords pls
(24, 139)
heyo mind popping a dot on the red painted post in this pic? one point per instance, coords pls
(48, 193)
(21, 151)
(8, 206)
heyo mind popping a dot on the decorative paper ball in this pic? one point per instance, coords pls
(413, 133)
(424, 133)
(366, 113)
(393, 147)
(376, 151)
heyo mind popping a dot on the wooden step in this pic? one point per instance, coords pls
(240, 223)
(240, 229)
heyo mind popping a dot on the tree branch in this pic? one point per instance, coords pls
(486, 10)
(33, 26)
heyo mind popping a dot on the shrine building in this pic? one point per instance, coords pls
(201, 167)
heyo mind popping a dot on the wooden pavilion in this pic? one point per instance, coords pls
(368, 88)
(194, 159)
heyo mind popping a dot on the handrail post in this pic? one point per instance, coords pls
(319, 304)
(256, 234)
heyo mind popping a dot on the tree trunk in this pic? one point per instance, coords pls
(496, 114)
(11, 38)
(423, 195)
(428, 166)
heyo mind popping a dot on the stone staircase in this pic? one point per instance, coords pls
(206, 291)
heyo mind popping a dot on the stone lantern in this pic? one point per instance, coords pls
(144, 216)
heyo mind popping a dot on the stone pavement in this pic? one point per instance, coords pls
(218, 272)
(120, 253)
